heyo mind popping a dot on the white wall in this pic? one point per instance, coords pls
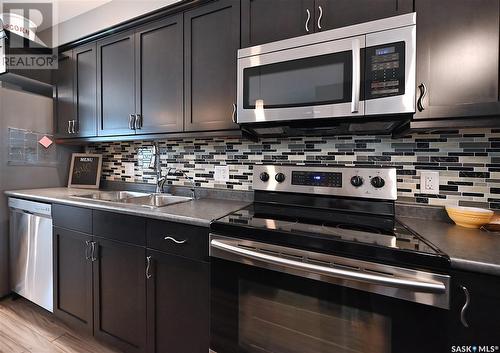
(103, 17)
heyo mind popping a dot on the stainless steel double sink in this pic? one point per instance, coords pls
(135, 198)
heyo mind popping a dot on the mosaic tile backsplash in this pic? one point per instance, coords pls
(468, 161)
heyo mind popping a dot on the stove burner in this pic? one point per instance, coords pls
(359, 228)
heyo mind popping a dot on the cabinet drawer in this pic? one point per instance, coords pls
(121, 227)
(71, 217)
(179, 239)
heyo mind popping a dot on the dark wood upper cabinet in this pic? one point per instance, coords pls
(159, 76)
(85, 90)
(116, 85)
(332, 14)
(73, 278)
(212, 39)
(178, 302)
(458, 58)
(264, 21)
(64, 95)
(120, 295)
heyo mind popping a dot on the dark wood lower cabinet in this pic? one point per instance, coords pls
(178, 301)
(475, 312)
(120, 295)
(132, 297)
(73, 278)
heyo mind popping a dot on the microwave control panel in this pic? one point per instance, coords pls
(385, 70)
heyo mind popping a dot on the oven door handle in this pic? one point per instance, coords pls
(352, 275)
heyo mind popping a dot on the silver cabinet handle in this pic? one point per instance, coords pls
(73, 126)
(465, 307)
(353, 275)
(356, 75)
(87, 248)
(308, 19)
(92, 252)
(148, 266)
(69, 126)
(233, 116)
(175, 240)
(320, 16)
(423, 92)
(131, 121)
(138, 121)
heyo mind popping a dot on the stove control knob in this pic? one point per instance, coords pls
(280, 177)
(264, 176)
(356, 181)
(377, 182)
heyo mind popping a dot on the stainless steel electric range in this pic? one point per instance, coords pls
(319, 263)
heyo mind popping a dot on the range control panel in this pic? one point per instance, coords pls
(329, 179)
(385, 68)
(377, 183)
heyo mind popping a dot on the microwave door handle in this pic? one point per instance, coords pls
(356, 75)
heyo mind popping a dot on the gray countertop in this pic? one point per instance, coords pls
(469, 249)
(196, 212)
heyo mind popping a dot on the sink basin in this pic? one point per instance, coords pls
(112, 196)
(157, 200)
(135, 198)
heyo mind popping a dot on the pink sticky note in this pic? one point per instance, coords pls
(45, 142)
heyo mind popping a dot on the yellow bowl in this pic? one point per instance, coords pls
(469, 217)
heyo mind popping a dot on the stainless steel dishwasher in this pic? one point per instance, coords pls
(30, 251)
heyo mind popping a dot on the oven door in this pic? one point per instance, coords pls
(266, 298)
(319, 80)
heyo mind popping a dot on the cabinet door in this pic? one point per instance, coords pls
(458, 58)
(120, 295)
(264, 21)
(115, 85)
(64, 91)
(73, 278)
(178, 304)
(85, 90)
(482, 312)
(159, 76)
(340, 13)
(212, 38)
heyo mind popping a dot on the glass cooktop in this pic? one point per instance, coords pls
(345, 232)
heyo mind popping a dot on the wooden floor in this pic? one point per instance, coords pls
(27, 328)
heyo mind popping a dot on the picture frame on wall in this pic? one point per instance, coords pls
(85, 171)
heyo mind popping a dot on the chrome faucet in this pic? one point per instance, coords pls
(160, 179)
(187, 177)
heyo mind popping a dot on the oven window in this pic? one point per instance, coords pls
(325, 79)
(280, 321)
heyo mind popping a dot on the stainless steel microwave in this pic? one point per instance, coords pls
(360, 71)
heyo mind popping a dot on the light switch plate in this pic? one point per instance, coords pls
(129, 168)
(429, 182)
(221, 173)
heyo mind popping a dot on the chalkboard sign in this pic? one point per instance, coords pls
(85, 171)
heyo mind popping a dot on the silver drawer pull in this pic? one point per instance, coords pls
(463, 319)
(148, 266)
(175, 240)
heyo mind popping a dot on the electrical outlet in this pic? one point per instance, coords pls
(429, 182)
(221, 173)
(129, 168)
